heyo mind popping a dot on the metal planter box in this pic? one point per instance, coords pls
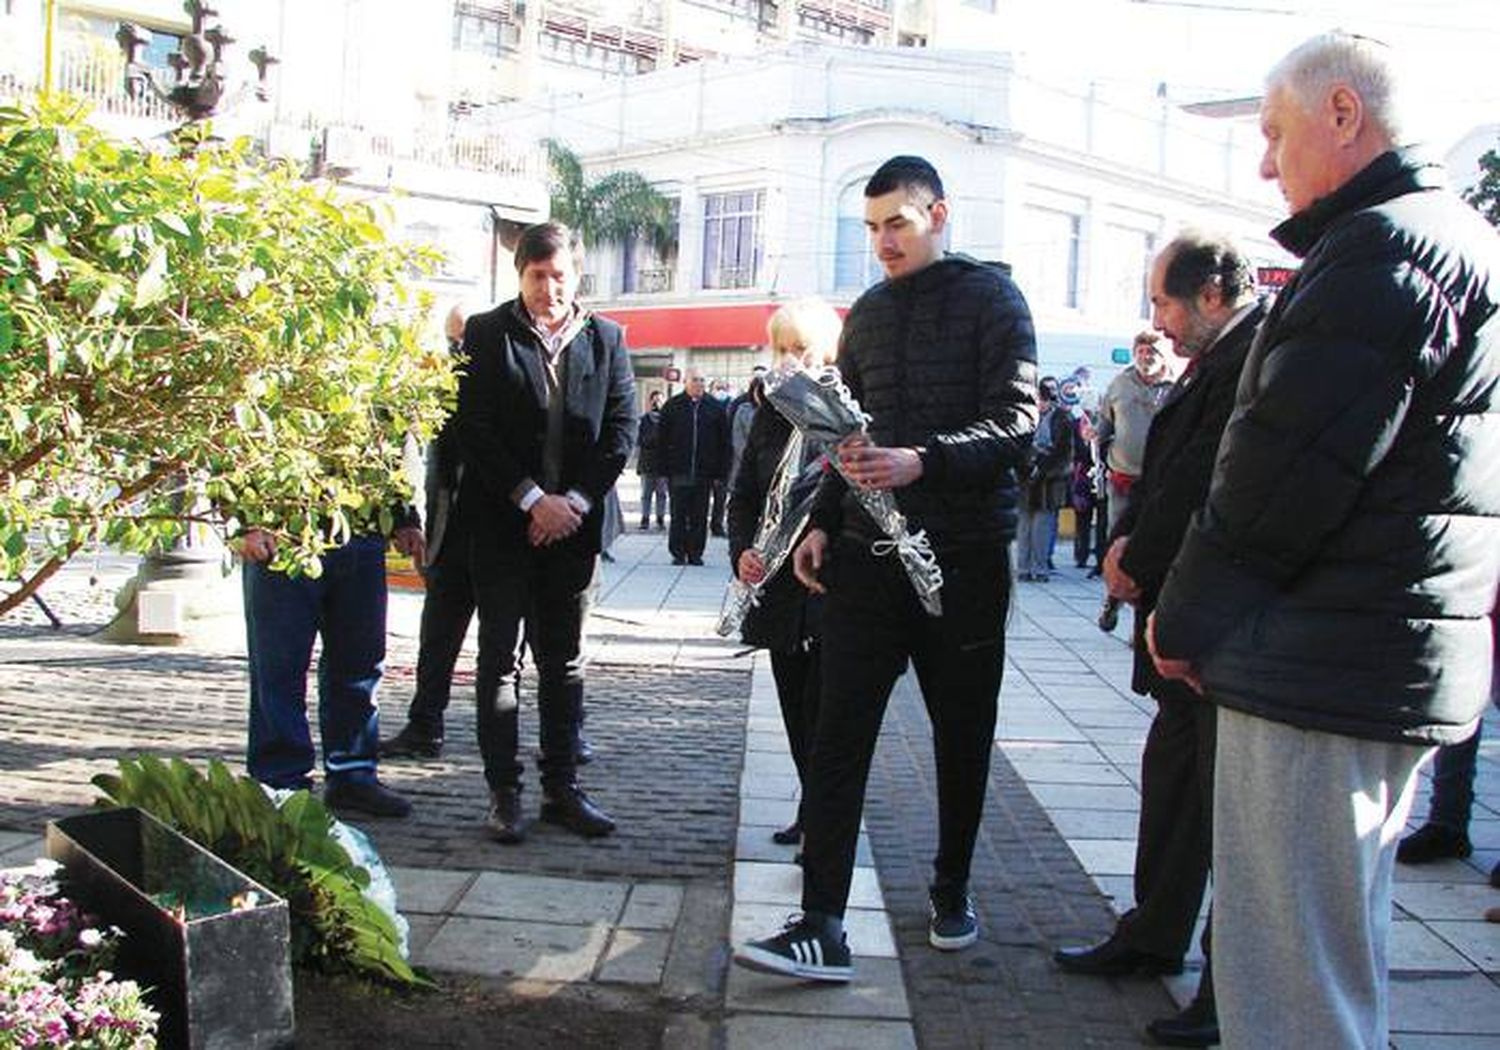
(210, 942)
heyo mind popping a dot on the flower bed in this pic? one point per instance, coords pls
(56, 989)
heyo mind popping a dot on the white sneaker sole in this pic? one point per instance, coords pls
(951, 944)
(753, 958)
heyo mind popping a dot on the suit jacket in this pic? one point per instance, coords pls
(502, 420)
(1179, 462)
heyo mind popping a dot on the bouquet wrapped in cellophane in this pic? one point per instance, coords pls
(788, 505)
(825, 413)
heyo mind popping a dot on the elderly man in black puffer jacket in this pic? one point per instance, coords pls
(942, 357)
(1332, 597)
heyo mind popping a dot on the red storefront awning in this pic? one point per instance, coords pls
(717, 324)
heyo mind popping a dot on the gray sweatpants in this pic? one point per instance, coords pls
(1305, 832)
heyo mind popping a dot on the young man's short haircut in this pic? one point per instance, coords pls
(544, 240)
(905, 173)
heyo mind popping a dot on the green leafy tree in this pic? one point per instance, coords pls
(611, 208)
(195, 330)
(1486, 194)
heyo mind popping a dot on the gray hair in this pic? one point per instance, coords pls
(1366, 66)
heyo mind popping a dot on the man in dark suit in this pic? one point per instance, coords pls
(448, 601)
(694, 453)
(1202, 295)
(546, 419)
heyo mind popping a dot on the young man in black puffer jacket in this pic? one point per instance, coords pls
(942, 357)
(1332, 597)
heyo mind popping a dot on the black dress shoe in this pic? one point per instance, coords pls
(506, 822)
(412, 742)
(789, 835)
(1433, 842)
(1197, 1025)
(695, 561)
(574, 810)
(369, 797)
(1112, 958)
(678, 559)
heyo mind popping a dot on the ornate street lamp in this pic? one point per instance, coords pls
(197, 65)
(179, 592)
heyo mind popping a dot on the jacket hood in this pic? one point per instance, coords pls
(1389, 175)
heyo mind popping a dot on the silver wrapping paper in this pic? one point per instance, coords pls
(821, 407)
(781, 523)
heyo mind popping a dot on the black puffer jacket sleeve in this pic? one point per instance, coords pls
(1323, 397)
(1000, 439)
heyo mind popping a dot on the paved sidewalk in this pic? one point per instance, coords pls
(692, 761)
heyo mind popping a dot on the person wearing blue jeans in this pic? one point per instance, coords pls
(345, 605)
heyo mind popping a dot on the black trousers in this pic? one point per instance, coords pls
(872, 625)
(717, 496)
(1090, 530)
(798, 684)
(537, 596)
(447, 608)
(688, 533)
(1174, 842)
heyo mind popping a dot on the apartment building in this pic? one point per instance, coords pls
(1072, 186)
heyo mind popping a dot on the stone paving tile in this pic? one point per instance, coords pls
(429, 891)
(1105, 856)
(507, 895)
(1088, 796)
(1478, 941)
(756, 1033)
(1094, 823)
(635, 956)
(652, 906)
(1422, 1041)
(541, 951)
(876, 991)
(1426, 1003)
(1444, 900)
(1416, 947)
(1048, 771)
(782, 884)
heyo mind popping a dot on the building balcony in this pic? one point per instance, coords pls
(654, 281)
(479, 167)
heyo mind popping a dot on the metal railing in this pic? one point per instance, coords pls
(654, 281)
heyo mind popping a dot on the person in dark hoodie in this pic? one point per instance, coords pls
(1332, 597)
(942, 357)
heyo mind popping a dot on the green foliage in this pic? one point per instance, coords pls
(199, 329)
(1485, 196)
(289, 849)
(611, 208)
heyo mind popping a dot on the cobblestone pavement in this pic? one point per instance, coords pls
(1030, 893)
(692, 763)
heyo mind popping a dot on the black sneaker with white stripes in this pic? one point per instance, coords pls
(812, 947)
(954, 925)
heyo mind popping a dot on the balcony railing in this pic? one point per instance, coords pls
(731, 277)
(99, 80)
(654, 281)
(488, 152)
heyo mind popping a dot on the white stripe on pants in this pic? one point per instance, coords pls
(1305, 832)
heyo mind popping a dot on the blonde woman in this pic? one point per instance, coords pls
(786, 620)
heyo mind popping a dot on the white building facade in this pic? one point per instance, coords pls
(767, 159)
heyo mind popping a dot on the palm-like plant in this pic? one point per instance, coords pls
(611, 209)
